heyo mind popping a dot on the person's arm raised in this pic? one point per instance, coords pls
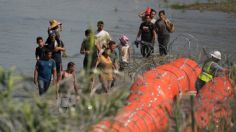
(170, 26)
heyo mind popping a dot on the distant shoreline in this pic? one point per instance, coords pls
(229, 7)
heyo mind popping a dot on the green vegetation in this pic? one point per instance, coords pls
(224, 6)
(22, 110)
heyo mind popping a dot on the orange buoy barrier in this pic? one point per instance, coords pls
(212, 105)
(151, 97)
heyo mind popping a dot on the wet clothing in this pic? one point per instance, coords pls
(147, 29)
(163, 44)
(40, 52)
(210, 69)
(91, 58)
(163, 36)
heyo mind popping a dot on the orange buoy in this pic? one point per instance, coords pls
(151, 97)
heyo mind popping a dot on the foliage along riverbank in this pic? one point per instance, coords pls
(229, 7)
(23, 110)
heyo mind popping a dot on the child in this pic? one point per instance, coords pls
(40, 50)
(124, 51)
(68, 90)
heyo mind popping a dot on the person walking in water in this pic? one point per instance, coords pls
(210, 69)
(56, 47)
(56, 27)
(90, 51)
(124, 52)
(148, 11)
(163, 29)
(105, 66)
(102, 37)
(147, 33)
(68, 90)
(44, 69)
(40, 50)
(114, 58)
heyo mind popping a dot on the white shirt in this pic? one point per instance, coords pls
(153, 20)
(124, 52)
(103, 37)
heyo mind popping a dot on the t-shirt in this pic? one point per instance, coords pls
(124, 53)
(114, 56)
(93, 53)
(103, 37)
(89, 47)
(45, 69)
(161, 29)
(105, 66)
(40, 52)
(51, 46)
(153, 20)
(147, 31)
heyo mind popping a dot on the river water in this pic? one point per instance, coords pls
(21, 21)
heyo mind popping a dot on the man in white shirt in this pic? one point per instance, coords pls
(102, 37)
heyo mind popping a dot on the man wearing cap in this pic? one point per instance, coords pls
(210, 69)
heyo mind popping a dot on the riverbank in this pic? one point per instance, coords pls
(229, 7)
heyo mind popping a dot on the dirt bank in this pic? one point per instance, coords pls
(217, 6)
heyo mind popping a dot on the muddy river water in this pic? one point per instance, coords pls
(21, 21)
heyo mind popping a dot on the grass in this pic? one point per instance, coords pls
(229, 6)
(22, 110)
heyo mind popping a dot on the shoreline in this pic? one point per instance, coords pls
(228, 7)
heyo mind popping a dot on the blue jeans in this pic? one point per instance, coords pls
(43, 86)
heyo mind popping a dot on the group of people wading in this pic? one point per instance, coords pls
(100, 53)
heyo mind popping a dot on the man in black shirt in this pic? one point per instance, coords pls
(40, 50)
(56, 46)
(147, 32)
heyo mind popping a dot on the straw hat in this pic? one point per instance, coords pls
(54, 23)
